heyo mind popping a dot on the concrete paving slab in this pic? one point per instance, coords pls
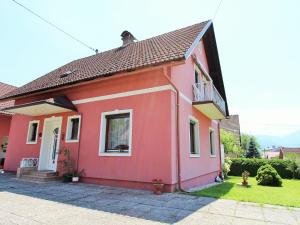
(60, 203)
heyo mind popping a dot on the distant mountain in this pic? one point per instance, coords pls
(291, 140)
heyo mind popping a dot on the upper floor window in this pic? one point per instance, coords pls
(194, 137)
(212, 142)
(116, 131)
(32, 133)
(73, 128)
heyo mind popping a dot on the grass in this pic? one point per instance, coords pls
(287, 195)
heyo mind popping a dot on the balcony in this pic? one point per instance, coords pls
(208, 100)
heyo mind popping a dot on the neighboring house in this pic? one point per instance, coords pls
(146, 110)
(271, 153)
(286, 152)
(5, 119)
(232, 125)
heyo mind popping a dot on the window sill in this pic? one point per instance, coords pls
(213, 156)
(71, 141)
(31, 143)
(194, 155)
(115, 154)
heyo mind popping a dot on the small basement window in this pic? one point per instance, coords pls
(73, 129)
(212, 141)
(116, 131)
(32, 133)
(194, 137)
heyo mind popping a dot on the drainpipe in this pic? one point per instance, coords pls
(79, 141)
(219, 131)
(165, 73)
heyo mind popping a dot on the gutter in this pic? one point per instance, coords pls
(165, 73)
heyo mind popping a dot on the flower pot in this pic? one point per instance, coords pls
(245, 183)
(158, 188)
(75, 179)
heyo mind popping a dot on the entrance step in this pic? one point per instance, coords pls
(39, 176)
(36, 178)
(44, 173)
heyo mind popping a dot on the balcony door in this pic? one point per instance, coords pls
(197, 77)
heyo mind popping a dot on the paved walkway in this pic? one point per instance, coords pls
(58, 203)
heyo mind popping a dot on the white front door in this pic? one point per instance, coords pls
(50, 144)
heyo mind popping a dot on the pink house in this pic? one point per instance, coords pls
(5, 119)
(145, 110)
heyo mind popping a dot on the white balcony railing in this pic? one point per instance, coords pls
(29, 162)
(206, 91)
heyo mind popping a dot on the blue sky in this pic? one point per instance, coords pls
(258, 44)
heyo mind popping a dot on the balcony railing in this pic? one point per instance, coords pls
(206, 91)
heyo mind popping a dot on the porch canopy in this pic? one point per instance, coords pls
(59, 104)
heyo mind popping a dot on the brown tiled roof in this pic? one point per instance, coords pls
(5, 89)
(153, 51)
(231, 124)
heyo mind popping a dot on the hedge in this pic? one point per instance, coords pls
(239, 165)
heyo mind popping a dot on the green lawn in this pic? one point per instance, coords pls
(287, 195)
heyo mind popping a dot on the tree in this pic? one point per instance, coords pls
(245, 141)
(230, 144)
(252, 151)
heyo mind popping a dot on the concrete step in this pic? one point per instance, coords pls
(43, 173)
(40, 178)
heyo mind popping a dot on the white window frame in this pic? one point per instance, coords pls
(213, 145)
(197, 137)
(37, 132)
(68, 129)
(103, 133)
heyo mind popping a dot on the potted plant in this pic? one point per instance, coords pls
(245, 176)
(67, 177)
(77, 175)
(67, 165)
(158, 186)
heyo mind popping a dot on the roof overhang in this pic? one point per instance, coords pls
(49, 106)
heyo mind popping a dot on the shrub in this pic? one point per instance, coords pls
(294, 167)
(268, 176)
(226, 167)
(239, 165)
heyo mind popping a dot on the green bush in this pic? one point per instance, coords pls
(226, 167)
(268, 176)
(239, 165)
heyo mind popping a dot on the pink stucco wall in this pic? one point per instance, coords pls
(4, 126)
(4, 132)
(151, 139)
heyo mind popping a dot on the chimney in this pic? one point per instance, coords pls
(127, 38)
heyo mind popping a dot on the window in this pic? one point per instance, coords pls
(212, 142)
(194, 137)
(32, 132)
(73, 129)
(116, 130)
